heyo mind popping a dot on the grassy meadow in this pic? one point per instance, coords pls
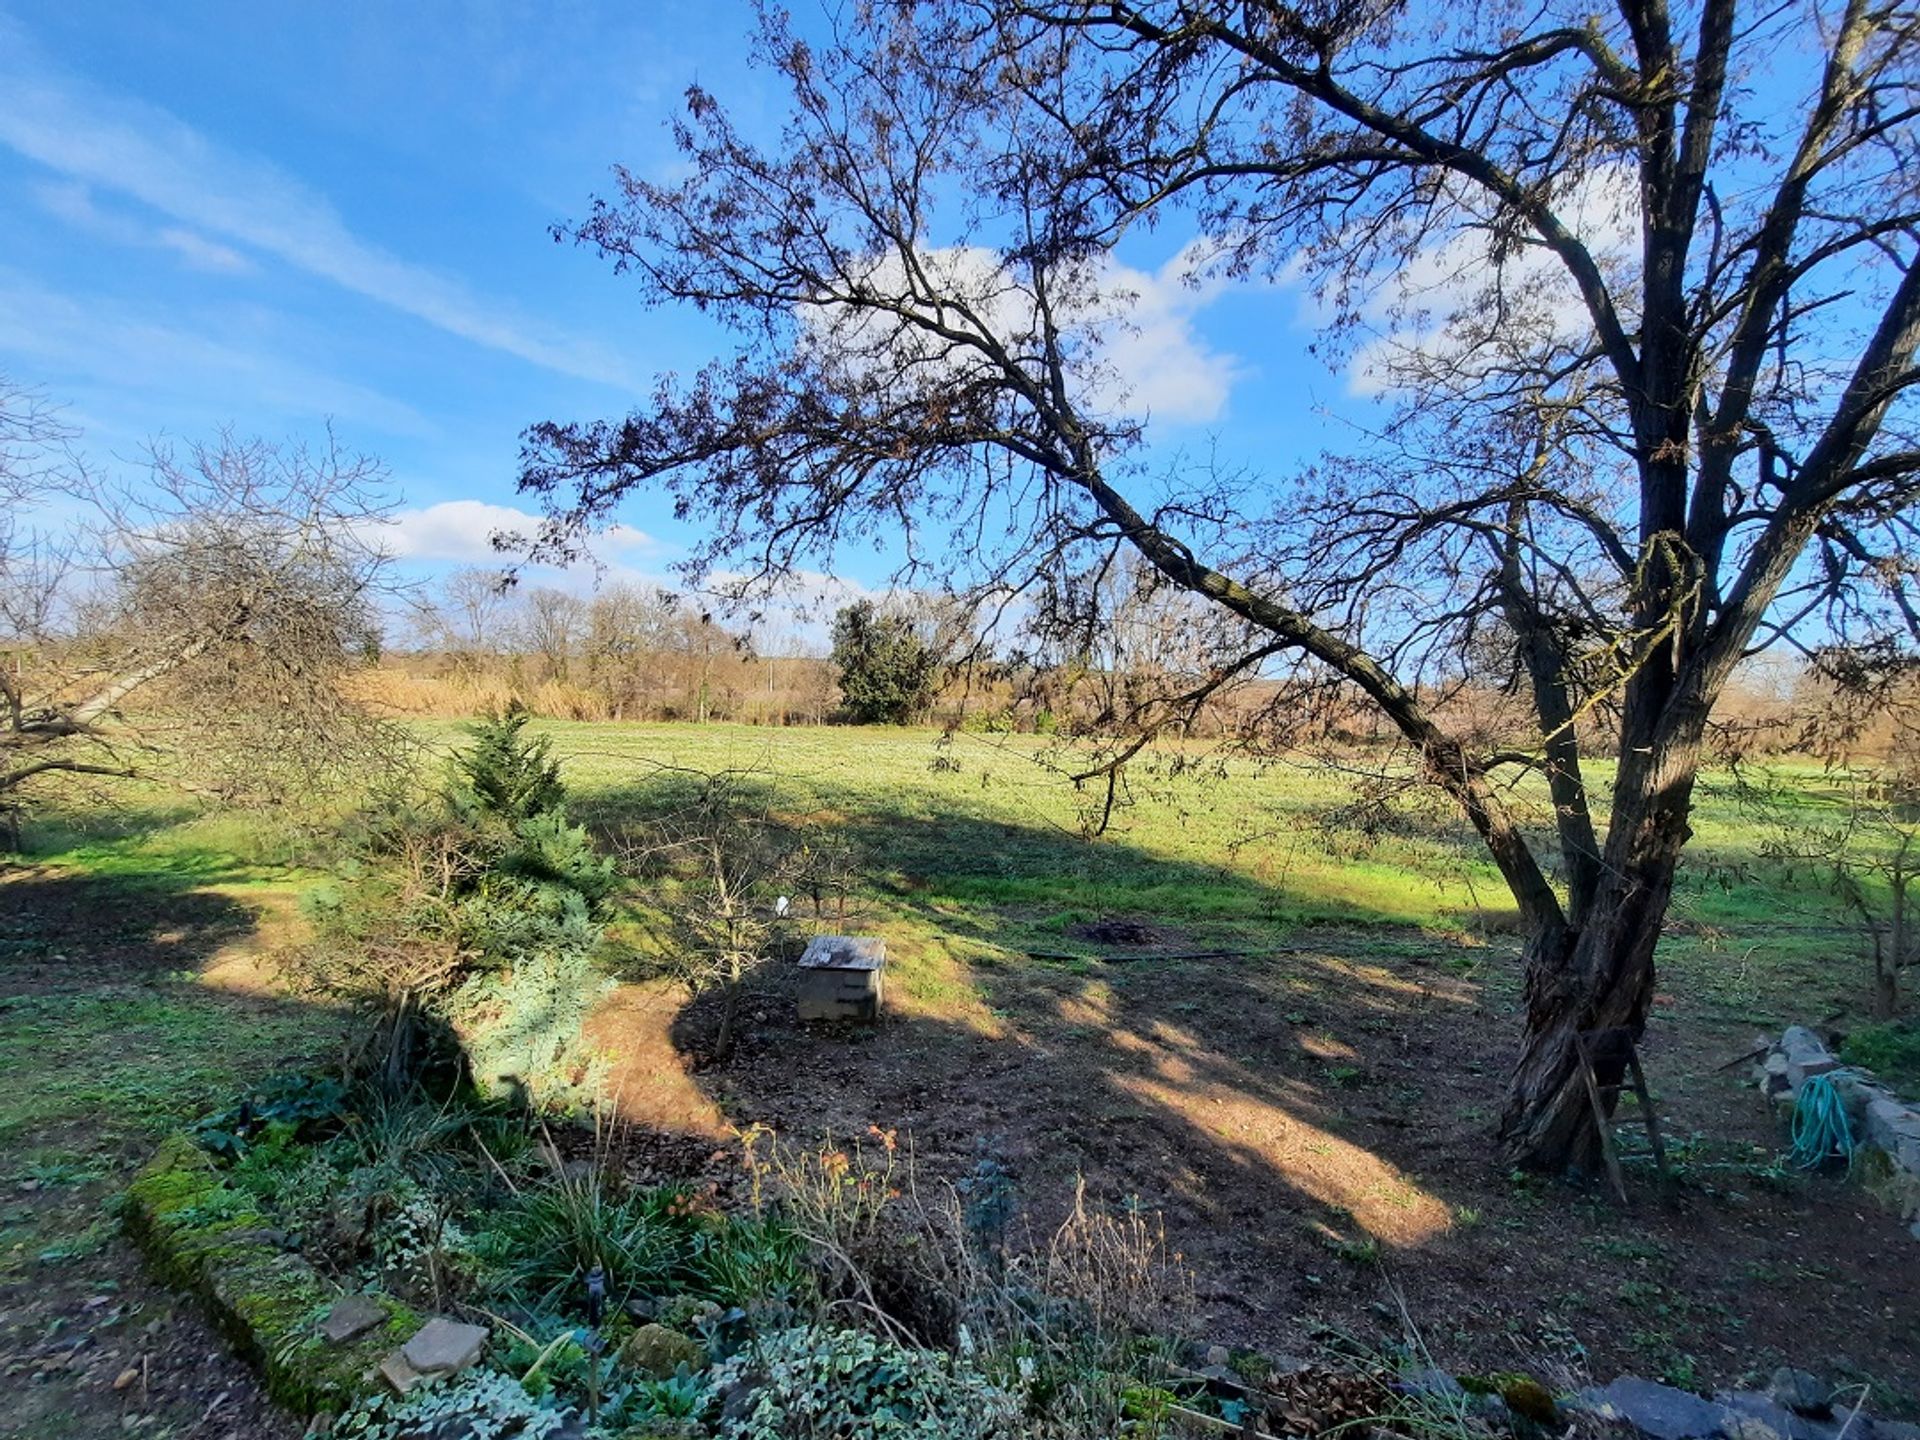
(984, 841)
(977, 844)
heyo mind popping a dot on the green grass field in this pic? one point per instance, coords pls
(1227, 840)
(984, 837)
(983, 841)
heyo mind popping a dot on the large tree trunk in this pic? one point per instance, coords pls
(1599, 978)
(1597, 974)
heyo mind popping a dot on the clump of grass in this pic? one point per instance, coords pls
(1891, 1050)
(548, 1238)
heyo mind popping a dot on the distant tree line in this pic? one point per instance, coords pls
(629, 652)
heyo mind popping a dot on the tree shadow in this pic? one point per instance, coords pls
(1237, 1057)
(57, 924)
(1311, 1111)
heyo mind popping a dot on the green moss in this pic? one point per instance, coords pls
(201, 1235)
(1527, 1397)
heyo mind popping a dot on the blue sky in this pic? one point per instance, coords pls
(276, 216)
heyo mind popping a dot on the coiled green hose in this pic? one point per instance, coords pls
(1821, 1130)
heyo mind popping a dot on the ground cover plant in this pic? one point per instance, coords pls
(829, 1298)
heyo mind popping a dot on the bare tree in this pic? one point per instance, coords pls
(734, 870)
(226, 591)
(1639, 285)
(551, 626)
(627, 630)
(465, 616)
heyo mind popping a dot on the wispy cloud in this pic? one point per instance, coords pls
(121, 349)
(73, 202)
(462, 531)
(125, 146)
(1450, 306)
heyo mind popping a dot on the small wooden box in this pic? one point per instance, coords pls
(842, 977)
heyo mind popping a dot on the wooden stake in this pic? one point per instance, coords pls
(1607, 1152)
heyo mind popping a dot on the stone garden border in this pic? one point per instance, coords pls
(203, 1236)
(1886, 1129)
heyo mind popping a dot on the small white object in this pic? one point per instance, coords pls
(780, 908)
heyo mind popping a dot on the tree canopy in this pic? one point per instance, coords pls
(887, 668)
(1637, 287)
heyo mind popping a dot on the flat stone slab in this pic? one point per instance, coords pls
(441, 1346)
(355, 1315)
(844, 952)
(1657, 1410)
(1761, 1417)
(400, 1375)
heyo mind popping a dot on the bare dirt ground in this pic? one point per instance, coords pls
(1314, 1124)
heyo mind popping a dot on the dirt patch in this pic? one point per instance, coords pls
(648, 1077)
(1116, 932)
(96, 1350)
(1315, 1126)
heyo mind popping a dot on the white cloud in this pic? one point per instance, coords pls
(462, 531)
(1164, 366)
(142, 152)
(1434, 306)
(116, 346)
(202, 253)
(73, 202)
(1135, 346)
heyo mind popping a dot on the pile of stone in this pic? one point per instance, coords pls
(1886, 1129)
(1795, 1406)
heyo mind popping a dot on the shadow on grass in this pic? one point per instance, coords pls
(107, 1032)
(130, 925)
(1272, 1079)
(957, 857)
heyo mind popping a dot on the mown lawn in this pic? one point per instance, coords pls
(132, 998)
(986, 833)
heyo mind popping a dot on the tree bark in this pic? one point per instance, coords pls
(1600, 976)
(1597, 978)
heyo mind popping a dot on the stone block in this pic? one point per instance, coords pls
(400, 1375)
(444, 1347)
(354, 1315)
(1806, 1055)
(1801, 1392)
(1658, 1410)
